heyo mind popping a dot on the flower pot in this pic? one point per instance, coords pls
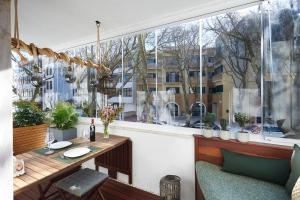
(225, 135)
(208, 133)
(243, 136)
(64, 135)
(28, 138)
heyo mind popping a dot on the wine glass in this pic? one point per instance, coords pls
(86, 134)
(49, 139)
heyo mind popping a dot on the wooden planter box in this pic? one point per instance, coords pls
(28, 138)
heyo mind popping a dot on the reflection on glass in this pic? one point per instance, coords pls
(179, 74)
(231, 62)
(282, 69)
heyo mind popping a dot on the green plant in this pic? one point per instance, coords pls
(27, 113)
(209, 119)
(242, 119)
(223, 123)
(64, 115)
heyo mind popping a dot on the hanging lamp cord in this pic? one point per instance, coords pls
(16, 32)
(98, 42)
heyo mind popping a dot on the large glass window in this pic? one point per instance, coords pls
(180, 74)
(281, 84)
(178, 58)
(231, 42)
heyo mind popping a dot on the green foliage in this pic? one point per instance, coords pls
(64, 115)
(223, 123)
(242, 119)
(27, 113)
(209, 119)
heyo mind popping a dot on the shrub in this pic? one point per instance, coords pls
(27, 113)
(242, 119)
(64, 115)
(209, 119)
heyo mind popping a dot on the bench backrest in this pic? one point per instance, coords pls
(209, 149)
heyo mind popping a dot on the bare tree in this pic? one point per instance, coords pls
(182, 42)
(238, 45)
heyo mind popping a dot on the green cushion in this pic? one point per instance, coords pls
(267, 169)
(218, 185)
(295, 169)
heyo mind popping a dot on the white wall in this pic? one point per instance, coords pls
(6, 172)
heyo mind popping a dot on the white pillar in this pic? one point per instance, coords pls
(6, 172)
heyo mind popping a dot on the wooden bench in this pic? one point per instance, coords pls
(209, 150)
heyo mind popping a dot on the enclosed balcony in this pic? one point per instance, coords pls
(151, 100)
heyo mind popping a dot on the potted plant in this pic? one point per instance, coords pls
(64, 117)
(107, 115)
(242, 119)
(225, 134)
(209, 120)
(29, 130)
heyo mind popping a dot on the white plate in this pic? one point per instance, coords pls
(60, 145)
(77, 152)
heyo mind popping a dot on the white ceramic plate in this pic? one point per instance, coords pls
(60, 145)
(77, 152)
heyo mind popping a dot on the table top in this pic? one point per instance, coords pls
(40, 168)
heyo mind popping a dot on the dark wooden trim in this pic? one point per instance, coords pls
(209, 150)
(117, 160)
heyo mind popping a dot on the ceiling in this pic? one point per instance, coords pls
(65, 23)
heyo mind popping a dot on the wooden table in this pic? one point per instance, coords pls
(42, 168)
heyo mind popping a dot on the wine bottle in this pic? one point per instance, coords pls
(92, 131)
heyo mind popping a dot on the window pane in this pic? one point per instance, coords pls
(139, 67)
(231, 48)
(178, 58)
(282, 71)
(111, 57)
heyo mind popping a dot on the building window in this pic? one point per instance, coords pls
(151, 75)
(173, 109)
(211, 59)
(50, 85)
(127, 92)
(194, 73)
(198, 108)
(172, 77)
(217, 89)
(175, 90)
(197, 90)
(151, 61)
(218, 70)
(152, 90)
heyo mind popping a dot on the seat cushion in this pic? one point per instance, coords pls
(219, 185)
(266, 169)
(81, 182)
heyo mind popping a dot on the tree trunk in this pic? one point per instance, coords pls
(143, 75)
(185, 96)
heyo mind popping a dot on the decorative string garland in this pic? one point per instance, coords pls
(17, 45)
